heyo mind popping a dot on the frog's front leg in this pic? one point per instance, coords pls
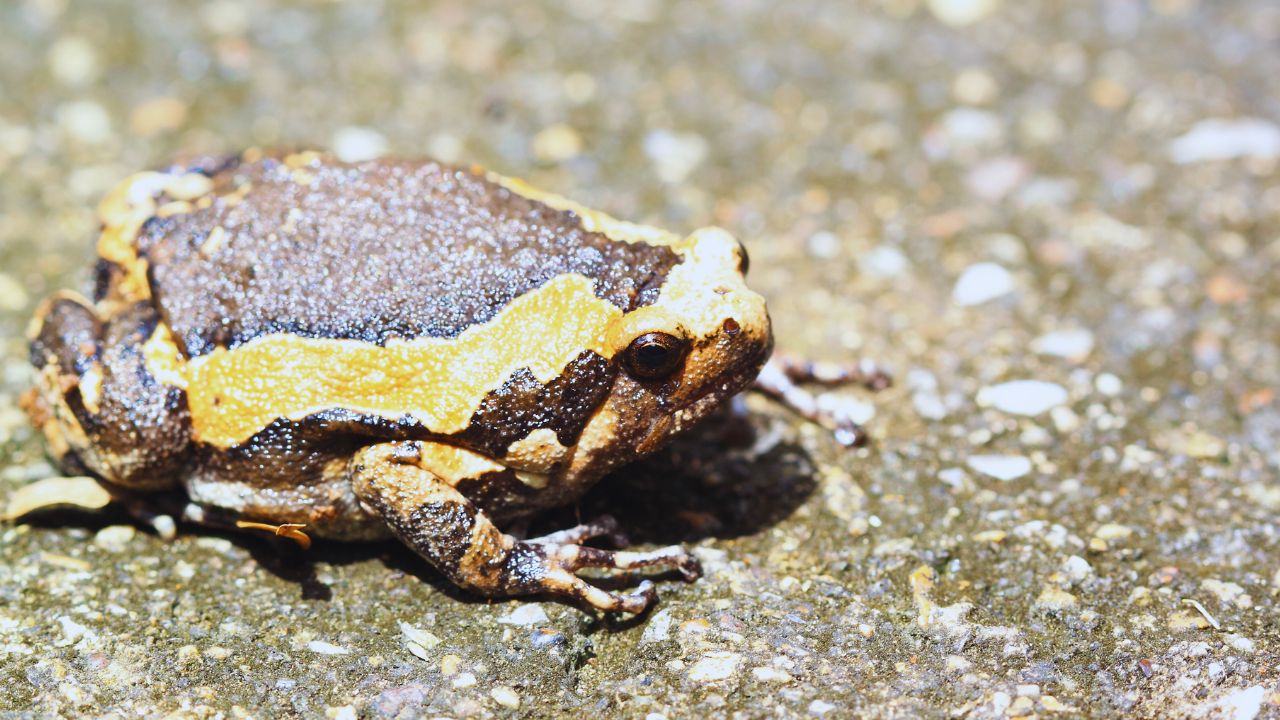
(395, 481)
(779, 377)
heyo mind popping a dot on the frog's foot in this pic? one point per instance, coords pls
(779, 377)
(866, 373)
(394, 481)
(605, 526)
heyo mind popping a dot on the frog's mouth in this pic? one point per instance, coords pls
(693, 409)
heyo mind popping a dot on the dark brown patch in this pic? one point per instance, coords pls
(141, 431)
(66, 330)
(522, 405)
(443, 526)
(373, 251)
(501, 495)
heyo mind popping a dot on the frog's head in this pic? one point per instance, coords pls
(702, 341)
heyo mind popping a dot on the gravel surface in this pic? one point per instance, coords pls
(1057, 222)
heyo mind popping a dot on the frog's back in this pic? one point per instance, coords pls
(314, 247)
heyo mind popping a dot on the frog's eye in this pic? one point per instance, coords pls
(654, 355)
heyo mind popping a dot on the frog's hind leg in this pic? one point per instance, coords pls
(98, 401)
(443, 526)
(605, 526)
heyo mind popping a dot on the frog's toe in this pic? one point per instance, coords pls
(605, 526)
(576, 557)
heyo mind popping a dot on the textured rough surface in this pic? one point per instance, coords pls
(405, 248)
(1102, 176)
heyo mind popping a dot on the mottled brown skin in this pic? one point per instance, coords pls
(304, 249)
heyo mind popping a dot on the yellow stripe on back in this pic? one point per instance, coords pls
(439, 381)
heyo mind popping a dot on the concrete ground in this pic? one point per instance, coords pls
(1058, 222)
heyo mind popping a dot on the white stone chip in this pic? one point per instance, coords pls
(86, 121)
(1227, 139)
(1023, 397)
(1243, 704)
(355, 144)
(1077, 569)
(717, 665)
(418, 636)
(114, 538)
(505, 696)
(526, 614)
(659, 627)
(1072, 344)
(962, 12)
(1000, 467)
(980, 283)
(324, 648)
(768, 674)
(1108, 384)
(13, 296)
(884, 261)
(675, 155)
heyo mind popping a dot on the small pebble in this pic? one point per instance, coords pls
(1108, 384)
(1112, 531)
(1227, 139)
(883, 261)
(820, 707)
(1228, 593)
(324, 648)
(962, 12)
(525, 614)
(114, 538)
(464, 680)
(1023, 397)
(992, 180)
(968, 129)
(73, 61)
(85, 121)
(823, 245)
(713, 666)
(418, 636)
(1077, 569)
(1072, 345)
(505, 696)
(1000, 467)
(980, 283)
(557, 143)
(1243, 704)
(658, 628)
(356, 144)
(675, 155)
(774, 675)
(1055, 599)
(157, 115)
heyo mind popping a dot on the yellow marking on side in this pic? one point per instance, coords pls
(535, 480)
(453, 464)
(538, 452)
(163, 359)
(91, 388)
(439, 381)
(215, 239)
(130, 204)
(592, 220)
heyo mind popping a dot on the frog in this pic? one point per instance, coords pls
(402, 348)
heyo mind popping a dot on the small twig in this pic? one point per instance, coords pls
(1212, 620)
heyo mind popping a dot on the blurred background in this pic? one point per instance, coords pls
(1058, 222)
